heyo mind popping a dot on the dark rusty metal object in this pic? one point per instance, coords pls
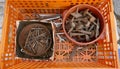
(60, 38)
(91, 27)
(86, 12)
(80, 49)
(74, 50)
(35, 39)
(87, 47)
(72, 25)
(87, 38)
(82, 32)
(85, 32)
(92, 34)
(76, 14)
(88, 24)
(75, 34)
(79, 26)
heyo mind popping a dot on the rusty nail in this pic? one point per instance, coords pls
(92, 19)
(79, 27)
(74, 50)
(87, 37)
(33, 48)
(60, 38)
(91, 27)
(76, 14)
(75, 34)
(85, 32)
(88, 24)
(92, 34)
(82, 31)
(72, 25)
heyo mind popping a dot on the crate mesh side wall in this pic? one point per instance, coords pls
(18, 10)
(8, 56)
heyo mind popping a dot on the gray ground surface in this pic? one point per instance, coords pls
(1, 15)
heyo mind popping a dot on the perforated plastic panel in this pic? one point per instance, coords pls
(22, 9)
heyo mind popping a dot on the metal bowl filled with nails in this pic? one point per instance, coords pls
(34, 38)
(83, 24)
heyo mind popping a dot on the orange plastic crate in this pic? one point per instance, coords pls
(107, 53)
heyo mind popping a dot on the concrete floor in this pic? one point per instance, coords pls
(1, 15)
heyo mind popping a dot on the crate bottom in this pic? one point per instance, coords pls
(63, 53)
(33, 65)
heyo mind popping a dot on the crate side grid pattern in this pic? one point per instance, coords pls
(108, 55)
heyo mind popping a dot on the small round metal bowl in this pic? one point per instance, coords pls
(96, 13)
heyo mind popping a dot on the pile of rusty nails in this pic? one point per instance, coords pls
(55, 19)
(37, 40)
(82, 26)
(58, 24)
